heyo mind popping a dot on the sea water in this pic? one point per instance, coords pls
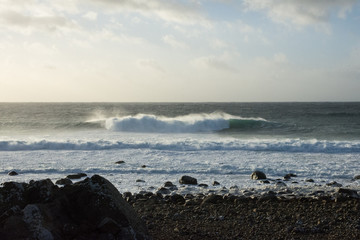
(159, 142)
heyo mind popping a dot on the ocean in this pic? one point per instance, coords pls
(159, 142)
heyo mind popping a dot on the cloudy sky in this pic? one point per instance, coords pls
(185, 50)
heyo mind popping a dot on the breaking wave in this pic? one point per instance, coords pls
(193, 123)
(284, 145)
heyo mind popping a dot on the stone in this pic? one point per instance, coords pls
(177, 198)
(357, 177)
(334, 184)
(89, 209)
(76, 176)
(120, 162)
(64, 181)
(348, 192)
(215, 183)
(163, 190)
(212, 199)
(12, 173)
(188, 180)
(140, 180)
(203, 185)
(143, 166)
(309, 180)
(168, 184)
(258, 175)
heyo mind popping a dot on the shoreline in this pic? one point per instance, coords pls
(275, 211)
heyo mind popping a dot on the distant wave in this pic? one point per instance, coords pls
(285, 145)
(192, 123)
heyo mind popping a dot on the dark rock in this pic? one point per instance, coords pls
(163, 190)
(309, 180)
(64, 181)
(89, 209)
(168, 184)
(177, 198)
(213, 199)
(357, 177)
(143, 166)
(188, 180)
(203, 185)
(348, 192)
(13, 173)
(334, 184)
(289, 175)
(215, 183)
(140, 180)
(265, 181)
(258, 175)
(120, 162)
(76, 176)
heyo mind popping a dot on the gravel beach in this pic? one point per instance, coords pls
(331, 214)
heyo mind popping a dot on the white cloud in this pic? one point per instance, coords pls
(302, 13)
(48, 23)
(214, 63)
(92, 16)
(150, 63)
(169, 10)
(169, 39)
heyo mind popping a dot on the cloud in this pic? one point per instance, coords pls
(212, 62)
(49, 23)
(92, 16)
(169, 39)
(169, 10)
(150, 63)
(301, 13)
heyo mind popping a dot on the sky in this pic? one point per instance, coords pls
(179, 51)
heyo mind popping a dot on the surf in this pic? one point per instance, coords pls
(192, 123)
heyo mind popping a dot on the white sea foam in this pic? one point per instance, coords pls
(181, 143)
(192, 123)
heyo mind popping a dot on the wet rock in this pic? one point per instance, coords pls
(334, 184)
(257, 175)
(12, 173)
(213, 199)
(348, 192)
(357, 177)
(188, 180)
(215, 183)
(168, 184)
(140, 180)
(203, 185)
(143, 166)
(89, 209)
(265, 181)
(309, 180)
(120, 162)
(163, 191)
(76, 176)
(64, 181)
(177, 198)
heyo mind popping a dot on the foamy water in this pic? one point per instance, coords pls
(211, 146)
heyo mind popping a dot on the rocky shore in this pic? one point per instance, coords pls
(92, 208)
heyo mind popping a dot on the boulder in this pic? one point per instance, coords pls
(76, 176)
(188, 180)
(89, 209)
(215, 183)
(258, 175)
(64, 181)
(12, 173)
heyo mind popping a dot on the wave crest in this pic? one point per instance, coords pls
(192, 123)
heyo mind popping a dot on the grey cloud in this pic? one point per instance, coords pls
(169, 10)
(49, 23)
(301, 13)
